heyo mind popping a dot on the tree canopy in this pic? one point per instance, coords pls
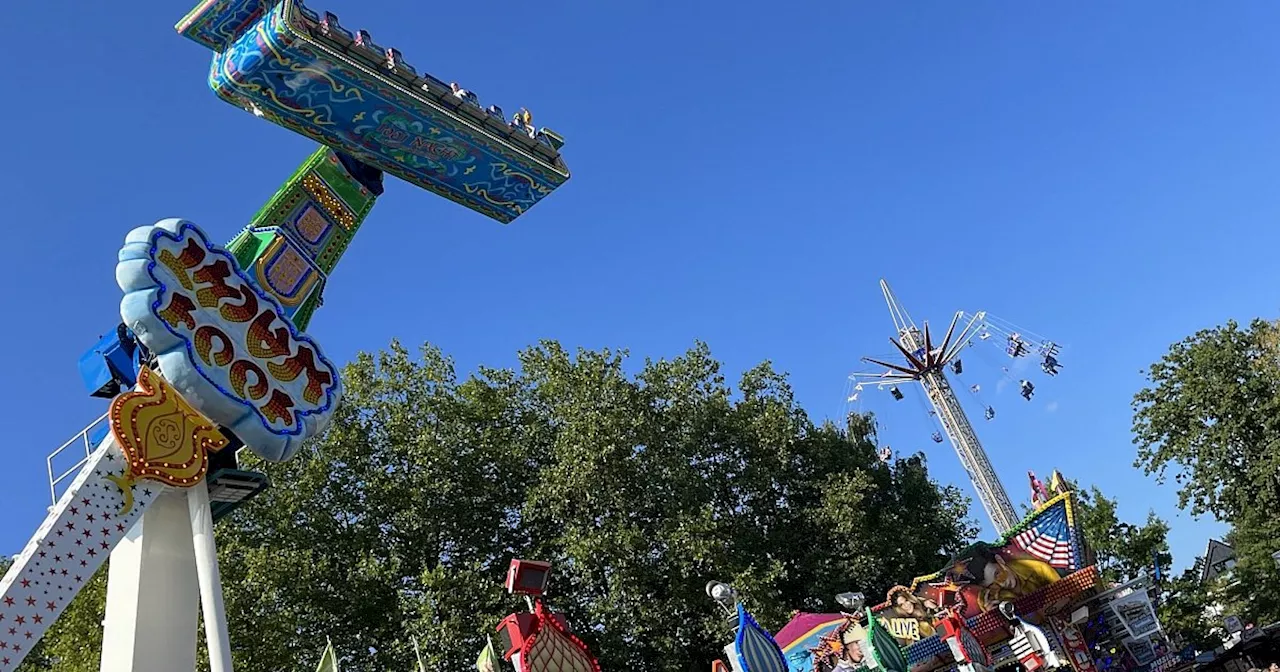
(1211, 415)
(1185, 609)
(1212, 411)
(399, 522)
(1125, 551)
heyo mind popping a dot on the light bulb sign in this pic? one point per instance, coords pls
(224, 344)
(1075, 646)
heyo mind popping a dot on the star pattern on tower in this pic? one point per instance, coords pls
(72, 543)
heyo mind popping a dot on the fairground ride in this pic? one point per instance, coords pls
(927, 364)
(211, 355)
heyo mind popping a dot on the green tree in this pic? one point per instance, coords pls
(1125, 551)
(1211, 412)
(1184, 609)
(1253, 589)
(399, 522)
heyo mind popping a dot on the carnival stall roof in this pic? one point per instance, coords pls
(295, 67)
(1042, 566)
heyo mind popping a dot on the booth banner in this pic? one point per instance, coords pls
(1074, 646)
(1137, 614)
(1142, 650)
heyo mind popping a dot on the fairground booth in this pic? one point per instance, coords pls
(1018, 601)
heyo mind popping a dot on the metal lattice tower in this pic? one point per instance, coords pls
(926, 365)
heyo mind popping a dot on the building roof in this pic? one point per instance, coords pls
(1217, 553)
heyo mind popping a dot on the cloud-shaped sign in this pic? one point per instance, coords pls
(222, 342)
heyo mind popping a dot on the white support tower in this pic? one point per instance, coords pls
(926, 365)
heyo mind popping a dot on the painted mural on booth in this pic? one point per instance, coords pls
(224, 344)
(841, 648)
(1034, 556)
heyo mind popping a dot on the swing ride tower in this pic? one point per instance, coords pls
(926, 364)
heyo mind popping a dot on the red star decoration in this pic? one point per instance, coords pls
(4, 645)
(75, 511)
(31, 602)
(28, 635)
(51, 606)
(4, 660)
(26, 583)
(37, 619)
(21, 621)
(8, 601)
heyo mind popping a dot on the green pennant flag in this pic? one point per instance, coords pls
(488, 660)
(329, 659)
(885, 651)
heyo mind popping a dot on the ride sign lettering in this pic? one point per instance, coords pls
(237, 337)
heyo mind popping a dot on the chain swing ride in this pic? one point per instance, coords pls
(929, 364)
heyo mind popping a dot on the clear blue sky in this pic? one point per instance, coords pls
(743, 174)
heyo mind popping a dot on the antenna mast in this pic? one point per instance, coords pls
(925, 364)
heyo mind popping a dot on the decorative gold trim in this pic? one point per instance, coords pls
(163, 438)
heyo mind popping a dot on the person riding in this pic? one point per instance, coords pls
(524, 120)
(462, 93)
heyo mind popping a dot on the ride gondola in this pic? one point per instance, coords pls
(303, 70)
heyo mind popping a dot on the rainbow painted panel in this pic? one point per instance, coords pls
(297, 81)
(216, 23)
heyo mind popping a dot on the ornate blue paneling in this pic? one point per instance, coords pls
(217, 23)
(297, 82)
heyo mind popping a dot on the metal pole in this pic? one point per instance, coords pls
(991, 491)
(215, 614)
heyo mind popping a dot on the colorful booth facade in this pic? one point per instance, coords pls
(1042, 567)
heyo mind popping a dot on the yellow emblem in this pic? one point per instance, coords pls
(162, 437)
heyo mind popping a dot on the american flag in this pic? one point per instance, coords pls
(1049, 538)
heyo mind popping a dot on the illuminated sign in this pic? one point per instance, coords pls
(903, 628)
(224, 344)
(1077, 649)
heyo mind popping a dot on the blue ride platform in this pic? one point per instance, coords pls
(302, 70)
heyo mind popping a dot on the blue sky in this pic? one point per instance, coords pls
(743, 174)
